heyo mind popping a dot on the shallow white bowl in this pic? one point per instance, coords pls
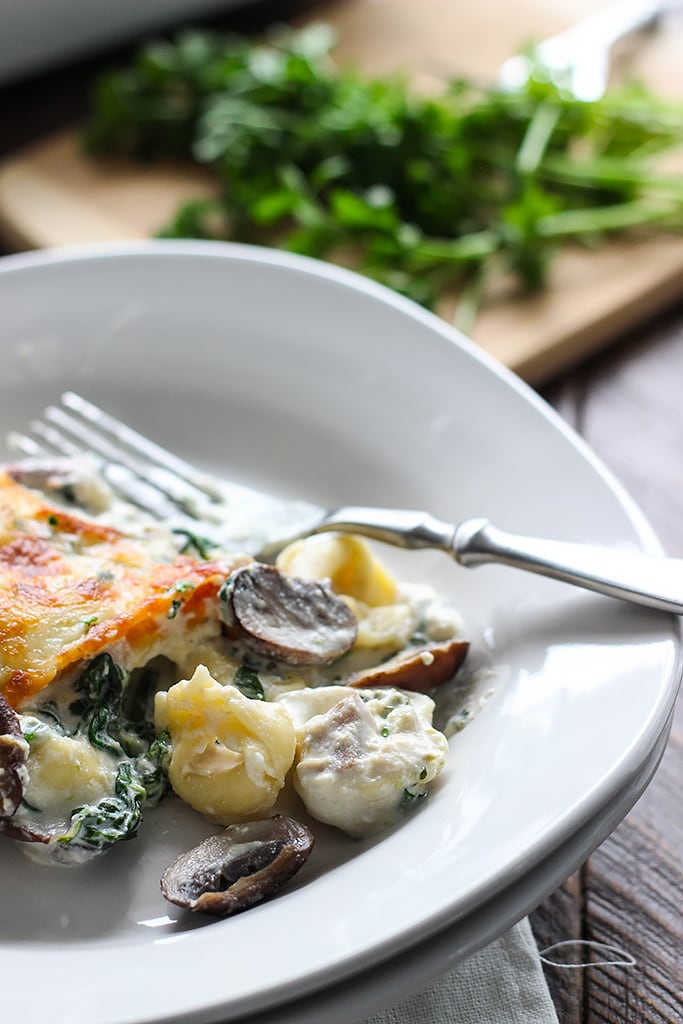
(310, 381)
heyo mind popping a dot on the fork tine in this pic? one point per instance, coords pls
(124, 481)
(190, 500)
(143, 446)
(146, 496)
(22, 444)
(221, 512)
(54, 439)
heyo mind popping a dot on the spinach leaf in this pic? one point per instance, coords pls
(140, 782)
(248, 682)
(100, 710)
(142, 774)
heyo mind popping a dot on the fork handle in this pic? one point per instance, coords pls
(651, 580)
(610, 24)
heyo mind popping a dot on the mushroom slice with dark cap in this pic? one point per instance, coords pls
(295, 621)
(420, 669)
(238, 867)
(14, 752)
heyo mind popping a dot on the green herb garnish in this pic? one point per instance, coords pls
(248, 682)
(193, 542)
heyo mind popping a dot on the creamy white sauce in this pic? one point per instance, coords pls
(362, 757)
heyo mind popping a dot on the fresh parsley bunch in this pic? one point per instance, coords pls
(425, 193)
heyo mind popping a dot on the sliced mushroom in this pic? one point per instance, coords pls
(239, 867)
(43, 474)
(296, 621)
(22, 833)
(13, 759)
(69, 482)
(420, 669)
(14, 751)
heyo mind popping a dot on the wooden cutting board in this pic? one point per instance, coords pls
(51, 194)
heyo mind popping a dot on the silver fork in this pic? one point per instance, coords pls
(224, 513)
(579, 58)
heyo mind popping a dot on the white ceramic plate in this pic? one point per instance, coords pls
(392, 981)
(309, 381)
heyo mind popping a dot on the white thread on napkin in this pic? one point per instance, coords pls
(501, 984)
(621, 958)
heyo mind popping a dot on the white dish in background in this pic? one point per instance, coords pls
(38, 35)
(310, 381)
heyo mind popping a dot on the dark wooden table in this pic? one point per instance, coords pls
(628, 404)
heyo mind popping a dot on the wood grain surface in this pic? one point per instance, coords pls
(52, 194)
(627, 403)
(628, 407)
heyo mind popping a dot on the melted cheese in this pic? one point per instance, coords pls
(65, 771)
(71, 588)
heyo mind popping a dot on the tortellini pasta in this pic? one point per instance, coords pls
(347, 561)
(389, 625)
(229, 754)
(362, 758)
(385, 617)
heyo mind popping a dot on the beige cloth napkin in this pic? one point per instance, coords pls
(502, 984)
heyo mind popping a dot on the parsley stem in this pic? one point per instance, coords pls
(467, 248)
(610, 218)
(537, 137)
(608, 172)
(470, 301)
